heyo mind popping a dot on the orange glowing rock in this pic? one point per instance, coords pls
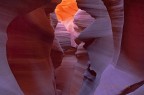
(66, 9)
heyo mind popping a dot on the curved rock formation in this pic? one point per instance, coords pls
(30, 39)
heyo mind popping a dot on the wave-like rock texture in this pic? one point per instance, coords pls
(28, 49)
(63, 36)
(107, 31)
